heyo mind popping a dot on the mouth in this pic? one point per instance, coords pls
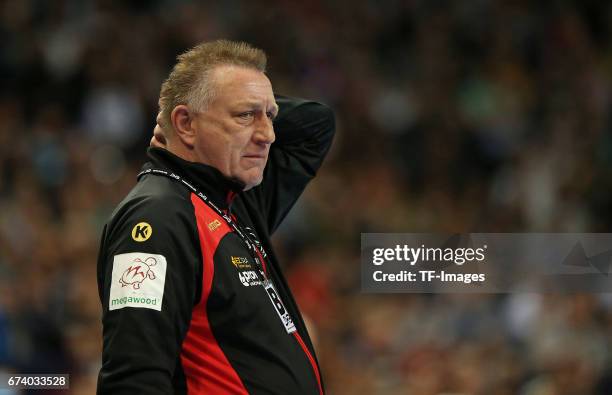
(255, 156)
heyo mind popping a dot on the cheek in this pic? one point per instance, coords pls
(240, 146)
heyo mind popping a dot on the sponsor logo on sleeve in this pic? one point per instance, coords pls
(137, 281)
(141, 232)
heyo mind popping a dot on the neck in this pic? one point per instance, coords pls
(207, 178)
(181, 151)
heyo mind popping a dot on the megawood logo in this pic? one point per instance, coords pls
(138, 272)
(128, 300)
(138, 280)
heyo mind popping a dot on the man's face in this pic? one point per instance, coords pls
(234, 132)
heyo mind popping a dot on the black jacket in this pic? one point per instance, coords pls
(185, 307)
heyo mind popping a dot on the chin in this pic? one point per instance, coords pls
(252, 182)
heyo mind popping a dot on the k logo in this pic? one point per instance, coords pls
(141, 232)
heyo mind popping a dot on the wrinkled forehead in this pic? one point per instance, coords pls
(238, 83)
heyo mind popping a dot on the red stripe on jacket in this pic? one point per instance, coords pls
(207, 369)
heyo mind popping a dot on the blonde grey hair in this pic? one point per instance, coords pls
(189, 81)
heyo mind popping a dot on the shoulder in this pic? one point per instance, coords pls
(152, 193)
(156, 204)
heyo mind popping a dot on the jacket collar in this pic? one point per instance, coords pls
(219, 188)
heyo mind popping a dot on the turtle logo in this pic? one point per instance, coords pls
(137, 272)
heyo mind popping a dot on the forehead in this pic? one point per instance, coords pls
(236, 83)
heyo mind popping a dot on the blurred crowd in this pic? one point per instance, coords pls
(453, 116)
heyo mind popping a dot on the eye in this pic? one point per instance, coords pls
(246, 115)
(271, 115)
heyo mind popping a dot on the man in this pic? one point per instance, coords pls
(193, 298)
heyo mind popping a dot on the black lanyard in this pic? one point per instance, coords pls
(255, 252)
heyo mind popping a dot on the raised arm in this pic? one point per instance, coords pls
(304, 132)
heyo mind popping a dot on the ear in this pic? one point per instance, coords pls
(181, 119)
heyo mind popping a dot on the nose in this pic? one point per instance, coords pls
(264, 131)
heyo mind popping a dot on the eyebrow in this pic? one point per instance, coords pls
(256, 104)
